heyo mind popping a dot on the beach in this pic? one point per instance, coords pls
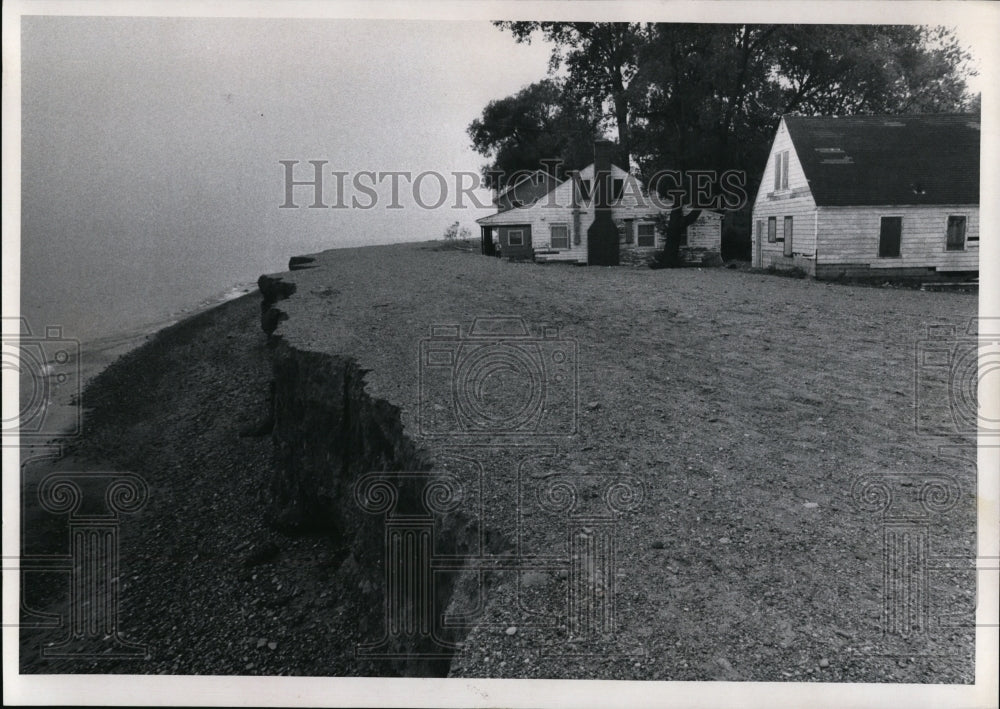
(739, 555)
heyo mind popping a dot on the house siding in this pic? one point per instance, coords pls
(556, 208)
(849, 238)
(796, 201)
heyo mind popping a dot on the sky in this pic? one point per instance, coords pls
(152, 148)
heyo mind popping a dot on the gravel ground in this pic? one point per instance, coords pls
(738, 408)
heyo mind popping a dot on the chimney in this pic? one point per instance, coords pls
(603, 150)
(602, 236)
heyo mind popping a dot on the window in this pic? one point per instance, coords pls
(786, 236)
(956, 233)
(646, 235)
(515, 237)
(781, 170)
(889, 237)
(621, 232)
(772, 229)
(617, 189)
(559, 236)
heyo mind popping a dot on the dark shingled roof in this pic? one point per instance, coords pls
(888, 160)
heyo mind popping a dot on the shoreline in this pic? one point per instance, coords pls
(62, 385)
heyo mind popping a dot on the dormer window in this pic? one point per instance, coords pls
(781, 170)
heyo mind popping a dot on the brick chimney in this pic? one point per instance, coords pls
(602, 236)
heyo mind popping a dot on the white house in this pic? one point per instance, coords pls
(871, 195)
(559, 225)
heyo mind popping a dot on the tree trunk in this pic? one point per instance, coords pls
(624, 136)
(677, 224)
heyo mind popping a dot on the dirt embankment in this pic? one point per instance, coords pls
(720, 422)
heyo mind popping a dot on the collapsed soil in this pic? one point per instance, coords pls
(745, 405)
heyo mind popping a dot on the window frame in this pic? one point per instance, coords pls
(559, 225)
(781, 170)
(965, 232)
(639, 235)
(787, 231)
(519, 232)
(772, 230)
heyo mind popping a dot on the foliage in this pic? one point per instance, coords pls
(709, 96)
(541, 124)
(455, 231)
(600, 59)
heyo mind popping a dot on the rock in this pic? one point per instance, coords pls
(658, 544)
(511, 630)
(824, 662)
(261, 643)
(593, 405)
(272, 646)
(261, 553)
(724, 540)
(810, 505)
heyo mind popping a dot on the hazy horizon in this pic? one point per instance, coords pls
(151, 148)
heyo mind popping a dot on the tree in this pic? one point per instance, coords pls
(600, 58)
(454, 232)
(539, 125)
(711, 95)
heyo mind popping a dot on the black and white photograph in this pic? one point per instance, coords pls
(501, 354)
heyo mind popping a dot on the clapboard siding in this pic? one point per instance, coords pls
(556, 208)
(796, 201)
(827, 237)
(850, 235)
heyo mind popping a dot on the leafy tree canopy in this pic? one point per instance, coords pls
(542, 123)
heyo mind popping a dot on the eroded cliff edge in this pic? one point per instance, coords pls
(343, 465)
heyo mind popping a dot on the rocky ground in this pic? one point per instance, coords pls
(727, 424)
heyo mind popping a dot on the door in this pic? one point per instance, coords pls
(757, 257)
(889, 237)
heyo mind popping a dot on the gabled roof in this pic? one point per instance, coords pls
(886, 160)
(530, 176)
